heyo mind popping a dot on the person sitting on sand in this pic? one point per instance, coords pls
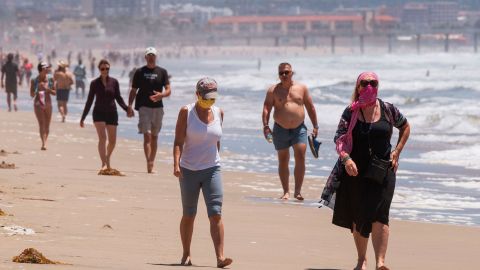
(289, 98)
(197, 165)
(365, 192)
(40, 90)
(105, 90)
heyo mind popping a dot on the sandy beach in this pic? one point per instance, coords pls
(131, 222)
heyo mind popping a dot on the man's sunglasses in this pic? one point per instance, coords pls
(284, 73)
(103, 69)
(364, 83)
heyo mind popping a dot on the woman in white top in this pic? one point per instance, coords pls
(197, 165)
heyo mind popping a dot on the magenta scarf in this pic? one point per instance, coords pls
(367, 98)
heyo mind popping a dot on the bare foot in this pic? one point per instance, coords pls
(186, 261)
(383, 267)
(298, 196)
(63, 119)
(43, 148)
(150, 167)
(15, 107)
(285, 196)
(361, 265)
(224, 262)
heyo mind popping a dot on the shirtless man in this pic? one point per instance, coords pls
(289, 99)
(64, 80)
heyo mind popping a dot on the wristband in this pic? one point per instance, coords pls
(315, 126)
(345, 159)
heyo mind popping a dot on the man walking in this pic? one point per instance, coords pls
(289, 99)
(147, 91)
(11, 72)
(64, 80)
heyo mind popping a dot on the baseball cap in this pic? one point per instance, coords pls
(43, 65)
(150, 50)
(207, 88)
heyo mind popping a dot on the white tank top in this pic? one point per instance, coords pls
(200, 147)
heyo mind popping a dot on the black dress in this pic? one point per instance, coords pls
(358, 200)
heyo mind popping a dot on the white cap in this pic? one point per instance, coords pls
(150, 50)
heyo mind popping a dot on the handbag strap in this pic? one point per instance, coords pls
(368, 133)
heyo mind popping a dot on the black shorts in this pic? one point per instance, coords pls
(11, 89)
(110, 118)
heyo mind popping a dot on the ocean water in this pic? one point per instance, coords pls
(439, 174)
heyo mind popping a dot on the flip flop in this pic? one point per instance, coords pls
(314, 145)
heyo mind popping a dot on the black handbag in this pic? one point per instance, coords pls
(377, 168)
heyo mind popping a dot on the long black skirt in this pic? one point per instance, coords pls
(363, 202)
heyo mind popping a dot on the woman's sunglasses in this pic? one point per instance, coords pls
(364, 83)
(284, 73)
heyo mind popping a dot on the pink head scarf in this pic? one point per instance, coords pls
(344, 144)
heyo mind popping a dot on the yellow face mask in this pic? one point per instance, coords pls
(205, 103)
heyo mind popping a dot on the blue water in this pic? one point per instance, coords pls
(438, 178)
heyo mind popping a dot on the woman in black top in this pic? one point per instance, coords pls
(363, 204)
(105, 90)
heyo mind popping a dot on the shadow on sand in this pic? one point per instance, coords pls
(177, 264)
(322, 269)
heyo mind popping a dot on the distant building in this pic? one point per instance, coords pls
(194, 14)
(469, 18)
(281, 25)
(119, 8)
(434, 14)
(415, 15)
(443, 13)
(81, 28)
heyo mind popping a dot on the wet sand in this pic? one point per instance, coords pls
(131, 222)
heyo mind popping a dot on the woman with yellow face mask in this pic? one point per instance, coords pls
(197, 165)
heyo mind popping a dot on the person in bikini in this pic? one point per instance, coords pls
(41, 88)
(289, 99)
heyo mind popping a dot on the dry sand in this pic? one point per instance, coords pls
(131, 222)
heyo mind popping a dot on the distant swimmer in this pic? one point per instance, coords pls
(428, 73)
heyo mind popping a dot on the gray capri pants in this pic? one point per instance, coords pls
(210, 181)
